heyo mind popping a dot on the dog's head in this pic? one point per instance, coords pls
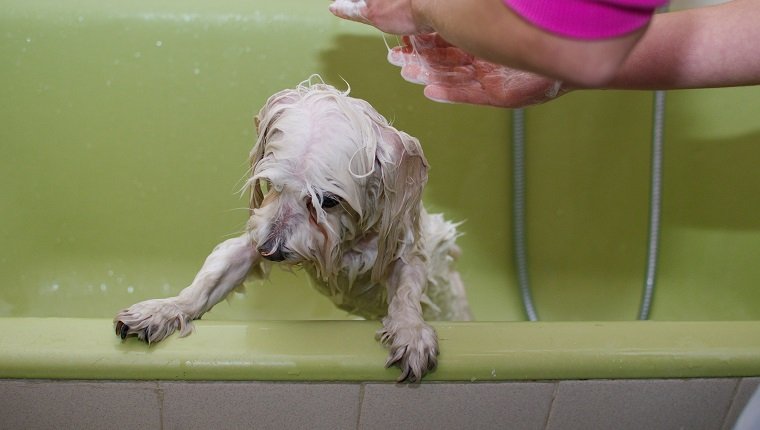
(328, 172)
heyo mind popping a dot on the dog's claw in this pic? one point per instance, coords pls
(413, 349)
(123, 329)
(396, 357)
(152, 320)
(386, 338)
(406, 373)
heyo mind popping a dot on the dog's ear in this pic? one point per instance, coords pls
(257, 153)
(403, 170)
(263, 121)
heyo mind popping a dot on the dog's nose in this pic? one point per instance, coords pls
(271, 251)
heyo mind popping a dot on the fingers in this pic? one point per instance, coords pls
(449, 78)
(433, 65)
(481, 93)
(471, 94)
(352, 10)
(454, 76)
(442, 57)
(415, 74)
(397, 57)
(424, 75)
(429, 48)
(393, 17)
(425, 40)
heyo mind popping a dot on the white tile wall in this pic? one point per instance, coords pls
(646, 404)
(566, 405)
(456, 406)
(260, 405)
(79, 405)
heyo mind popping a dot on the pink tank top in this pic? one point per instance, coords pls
(587, 19)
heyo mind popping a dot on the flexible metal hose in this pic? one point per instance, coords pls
(518, 212)
(518, 209)
(655, 202)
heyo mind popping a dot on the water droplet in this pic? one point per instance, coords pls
(55, 287)
(197, 71)
(28, 40)
(159, 43)
(103, 287)
(130, 289)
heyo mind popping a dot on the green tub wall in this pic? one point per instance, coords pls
(124, 140)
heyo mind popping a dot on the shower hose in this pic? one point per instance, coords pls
(518, 209)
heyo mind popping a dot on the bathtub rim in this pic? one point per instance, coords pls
(77, 348)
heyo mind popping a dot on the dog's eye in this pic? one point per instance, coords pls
(329, 201)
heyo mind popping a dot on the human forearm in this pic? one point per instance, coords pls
(490, 30)
(707, 47)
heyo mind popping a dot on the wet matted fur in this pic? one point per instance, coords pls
(336, 190)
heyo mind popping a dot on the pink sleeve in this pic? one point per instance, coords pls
(587, 19)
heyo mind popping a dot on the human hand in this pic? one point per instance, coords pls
(454, 76)
(389, 16)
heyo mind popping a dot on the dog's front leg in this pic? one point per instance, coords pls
(224, 270)
(412, 342)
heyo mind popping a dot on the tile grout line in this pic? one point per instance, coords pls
(551, 405)
(361, 403)
(724, 424)
(160, 397)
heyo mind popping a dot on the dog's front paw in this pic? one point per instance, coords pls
(413, 348)
(152, 320)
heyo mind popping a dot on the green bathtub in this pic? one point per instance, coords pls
(123, 145)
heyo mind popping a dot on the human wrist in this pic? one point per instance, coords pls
(422, 14)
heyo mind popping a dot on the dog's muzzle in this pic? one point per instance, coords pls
(272, 250)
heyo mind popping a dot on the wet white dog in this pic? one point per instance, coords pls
(336, 190)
